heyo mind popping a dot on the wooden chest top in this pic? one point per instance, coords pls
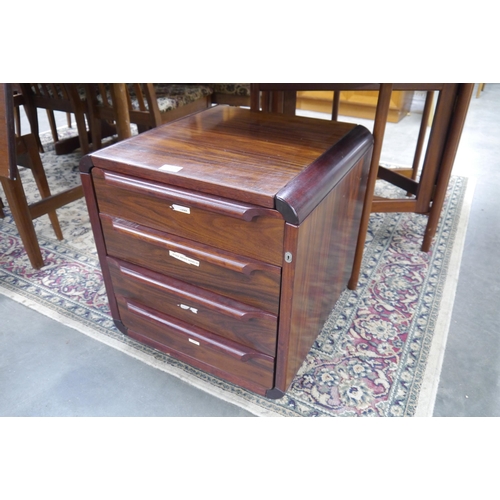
(226, 151)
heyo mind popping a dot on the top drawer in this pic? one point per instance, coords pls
(241, 228)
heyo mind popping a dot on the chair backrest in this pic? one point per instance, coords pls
(99, 97)
(64, 97)
(7, 137)
(143, 104)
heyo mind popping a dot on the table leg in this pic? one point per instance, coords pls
(119, 93)
(448, 158)
(381, 115)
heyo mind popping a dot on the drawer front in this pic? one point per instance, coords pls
(195, 346)
(239, 278)
(233, 320)
(248, 230)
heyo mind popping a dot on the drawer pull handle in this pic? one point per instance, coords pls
(245, 266)
(188, 308)
(211, 304)
(183, 258)
(170, 168)
(180, 208)
(213, 204)
(210, 340)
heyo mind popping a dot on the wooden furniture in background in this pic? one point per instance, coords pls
(7, 142)
(358, 103)
(141, 104)
(108, 111)
(23, 150)
(233, 94)
(424, 195)
(52, 97)
(226, 237)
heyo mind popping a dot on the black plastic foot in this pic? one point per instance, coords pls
(274, 393)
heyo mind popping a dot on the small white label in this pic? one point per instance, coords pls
(194, 341)
(188, 308)
(180, 208)
(183, 258)
(170, 168)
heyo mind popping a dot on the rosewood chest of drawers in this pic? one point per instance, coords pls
(226, 237)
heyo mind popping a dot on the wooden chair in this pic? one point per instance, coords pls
(146, 105)
(65, 97)
(424, 195)
(23, 150)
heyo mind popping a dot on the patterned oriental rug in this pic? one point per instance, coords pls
(379, 353)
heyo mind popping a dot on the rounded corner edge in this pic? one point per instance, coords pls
(86, 164)
(286, 210)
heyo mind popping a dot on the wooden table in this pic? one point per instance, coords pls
(226, 237)
(428, 187)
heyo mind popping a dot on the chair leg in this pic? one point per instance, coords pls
(16, 199)
(17, 121)
(96, 133)
(95, 125)
(32, 114)
(36, 167)
(381, 115)
(53, 126)
(82, 132)
(119, 98)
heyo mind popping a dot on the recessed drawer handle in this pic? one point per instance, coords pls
(198, 338)
(227, 310)
(217, 205)
(241, 266)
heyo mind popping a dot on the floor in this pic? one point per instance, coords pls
(47, 369)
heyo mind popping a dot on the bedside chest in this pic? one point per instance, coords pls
(226, 237)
